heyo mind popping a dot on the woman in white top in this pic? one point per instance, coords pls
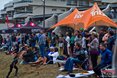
(68, 43)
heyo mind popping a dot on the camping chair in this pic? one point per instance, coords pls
(84, 58)
(83, 66)
(107, 71)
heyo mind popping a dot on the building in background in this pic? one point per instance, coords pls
(21, 10)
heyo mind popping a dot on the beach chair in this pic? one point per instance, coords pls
(107, 71)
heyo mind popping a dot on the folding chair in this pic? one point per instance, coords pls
(81, 65)
(107, 71)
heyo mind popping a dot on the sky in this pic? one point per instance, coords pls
(2, 2)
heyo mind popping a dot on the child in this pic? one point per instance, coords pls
(13, 65)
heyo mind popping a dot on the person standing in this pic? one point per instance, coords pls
(68, 43)
(72, 43)
(53, 39)
(61, 44)
(1, 39)
(111, 40)
(93, 49)
(42, 44)
(33, 40)
(9, 43)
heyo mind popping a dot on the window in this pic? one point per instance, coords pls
(72, 2)
(27, 0)
(54, 9)
(63, 10)
(20, 10)
(63, 0)
(9, 14)
(23, 10)
(29, 9)
(54, 0)
(83, 3)
(22, 1)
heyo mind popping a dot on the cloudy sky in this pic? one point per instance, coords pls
(2, 2)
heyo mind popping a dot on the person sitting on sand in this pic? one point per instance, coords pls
(51, 55)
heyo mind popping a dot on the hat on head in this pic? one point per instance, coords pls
(81, 29)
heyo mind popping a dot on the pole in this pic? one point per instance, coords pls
(43, 13)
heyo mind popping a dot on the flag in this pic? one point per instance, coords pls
(7, 21)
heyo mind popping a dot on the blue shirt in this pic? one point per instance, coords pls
(106, 57)
(42, 39)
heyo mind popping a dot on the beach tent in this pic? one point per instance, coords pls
(85, 19)
(95, 17)
(70, 20)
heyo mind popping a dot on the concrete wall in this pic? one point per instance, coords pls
(51, 2)
(38, 10)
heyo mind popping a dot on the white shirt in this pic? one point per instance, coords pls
(54, 55)
(68, 41)
(83, 42)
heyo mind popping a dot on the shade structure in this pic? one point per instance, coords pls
(95, 17)
(69, 21)
(14, 29)
(85, 19)
(30, 27)
(6, 31)
(18, 28)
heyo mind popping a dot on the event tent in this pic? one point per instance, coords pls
(69, 20)
(11, 29)
(85, 19)
(30, 27)
(95, 17)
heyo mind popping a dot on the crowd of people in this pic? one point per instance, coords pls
(81, 47)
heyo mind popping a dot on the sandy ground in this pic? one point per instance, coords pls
(28, 71)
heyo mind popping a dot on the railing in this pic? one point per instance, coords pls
(23, 12)
(29, 1)
(109, 1)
